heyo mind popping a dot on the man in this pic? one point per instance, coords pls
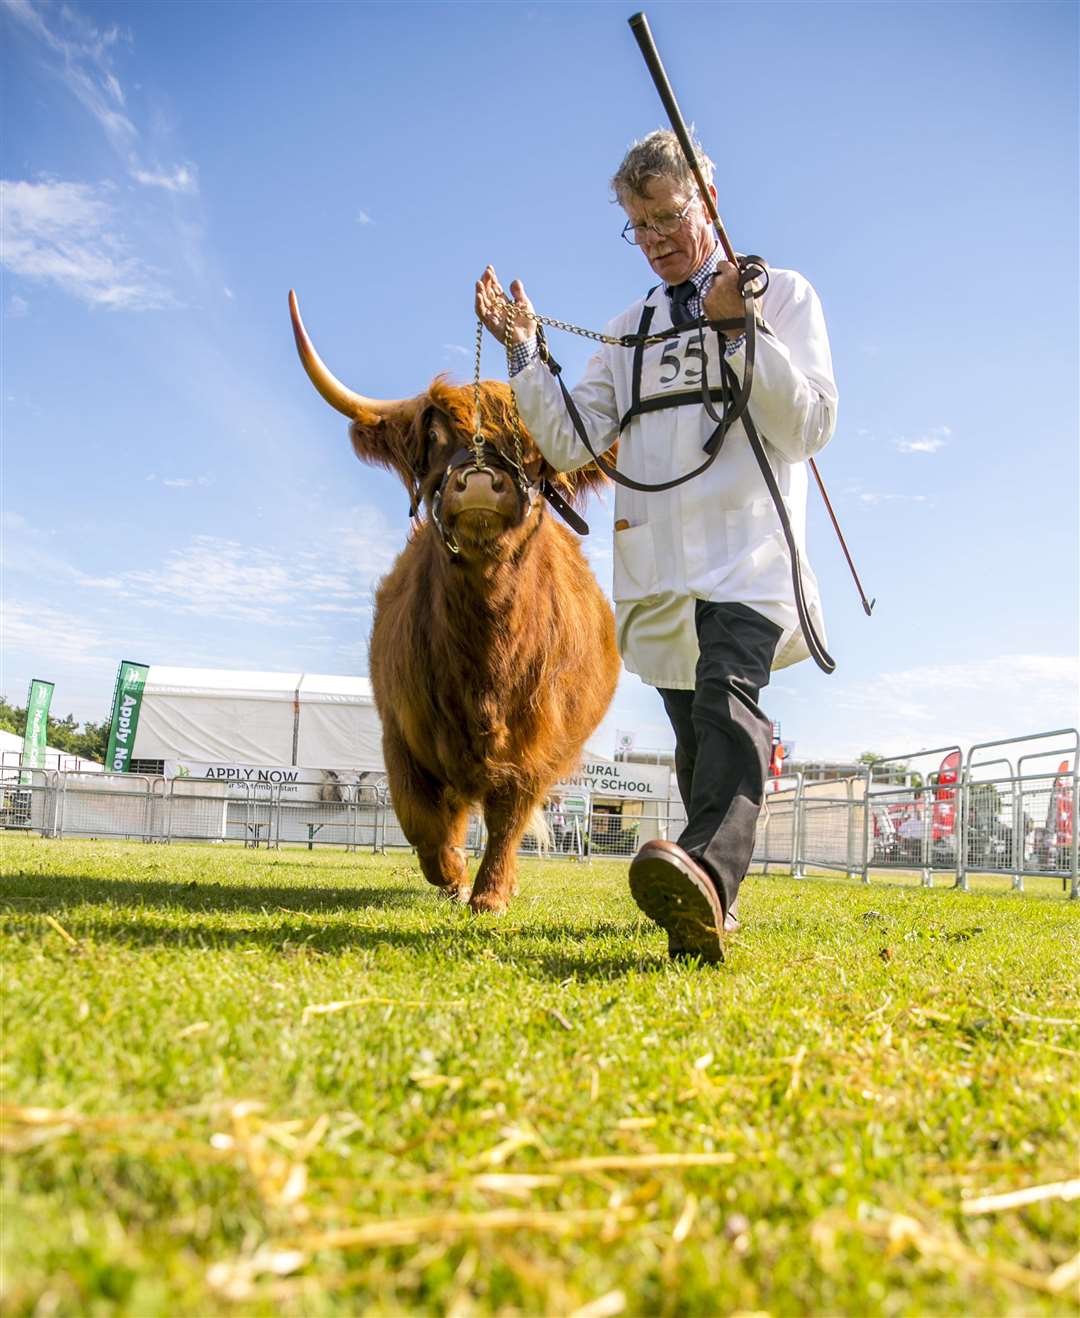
(704, 600)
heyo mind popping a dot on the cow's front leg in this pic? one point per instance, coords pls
(443, 861)
(434, 826)
(506, 814)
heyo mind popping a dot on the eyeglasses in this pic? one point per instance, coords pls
(662, 225)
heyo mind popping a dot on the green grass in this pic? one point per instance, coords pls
(866, 1060)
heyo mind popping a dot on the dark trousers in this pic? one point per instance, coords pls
(723, 741)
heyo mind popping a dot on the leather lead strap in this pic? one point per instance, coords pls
(570, 516)
(639, 357)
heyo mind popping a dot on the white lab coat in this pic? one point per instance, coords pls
(717, 537)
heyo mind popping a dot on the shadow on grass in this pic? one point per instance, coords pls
(318, 921)
(61, 891)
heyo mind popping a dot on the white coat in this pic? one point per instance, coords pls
(717, 537)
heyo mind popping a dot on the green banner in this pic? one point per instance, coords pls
(127, 700)
(35, 735)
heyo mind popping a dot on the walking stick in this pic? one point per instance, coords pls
(639, 25)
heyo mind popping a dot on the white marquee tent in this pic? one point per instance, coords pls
(11, 745)
(213, 715)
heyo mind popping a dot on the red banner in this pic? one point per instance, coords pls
(945, 796)
(776, 766)
(1059, 818)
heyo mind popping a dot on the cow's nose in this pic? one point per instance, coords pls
(496, 478)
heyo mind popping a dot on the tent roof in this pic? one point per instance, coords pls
(219, 715)
(215, 683)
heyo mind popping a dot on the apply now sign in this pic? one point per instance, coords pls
(127, 701)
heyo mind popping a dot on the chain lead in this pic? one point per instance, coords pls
(508, 342)
(478, 438)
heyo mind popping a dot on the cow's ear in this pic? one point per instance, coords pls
(391, 440)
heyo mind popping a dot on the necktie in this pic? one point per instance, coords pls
(680, 302)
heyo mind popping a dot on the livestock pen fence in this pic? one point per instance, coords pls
(992, 812)
(151, 808)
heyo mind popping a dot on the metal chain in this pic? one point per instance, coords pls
(478, 438)
(508, 343)
(616, 341)
(595, 335)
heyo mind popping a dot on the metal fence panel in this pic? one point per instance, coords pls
(777, 839)
(997, 818)
(829, 826)
(351, 820)
(200, 811)
(999, 835)
(26, 799)
(108, 805)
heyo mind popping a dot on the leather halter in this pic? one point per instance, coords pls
(469, 459)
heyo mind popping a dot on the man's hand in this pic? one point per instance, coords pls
(722, 300)
(492, 308)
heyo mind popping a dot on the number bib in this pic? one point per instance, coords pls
(668, 374)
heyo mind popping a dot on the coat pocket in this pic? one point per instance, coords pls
(635, 576)
(755, 540)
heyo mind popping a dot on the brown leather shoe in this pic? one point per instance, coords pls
(677, 952)
(674, 891)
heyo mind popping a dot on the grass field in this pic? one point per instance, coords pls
(302, 1084)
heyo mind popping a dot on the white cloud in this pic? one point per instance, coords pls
(933, 440)
(924, 445)
(83, 63)
(66, 234)
(872, 498)
(942, 704)
(215, 578)
(182, 179)
(52, 634)
(114, 88)
(82, 59)
(229, 293)
(17, 306)
(362, 217)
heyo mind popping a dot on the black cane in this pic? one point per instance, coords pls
(639, 25)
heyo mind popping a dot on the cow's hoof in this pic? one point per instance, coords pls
(488, 903)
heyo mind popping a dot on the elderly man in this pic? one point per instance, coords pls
(704, 599)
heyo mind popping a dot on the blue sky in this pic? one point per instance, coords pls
(175, 492)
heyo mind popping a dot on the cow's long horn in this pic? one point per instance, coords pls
(352, 405)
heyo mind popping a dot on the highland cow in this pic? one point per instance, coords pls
(493, 648)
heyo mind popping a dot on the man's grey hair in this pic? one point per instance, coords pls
(658, 156)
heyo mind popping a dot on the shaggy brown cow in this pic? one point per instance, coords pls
(493, 649)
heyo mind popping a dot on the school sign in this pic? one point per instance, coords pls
(650, 782)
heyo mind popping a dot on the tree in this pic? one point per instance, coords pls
(12, 719)
(984, 803)
(893, 772)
